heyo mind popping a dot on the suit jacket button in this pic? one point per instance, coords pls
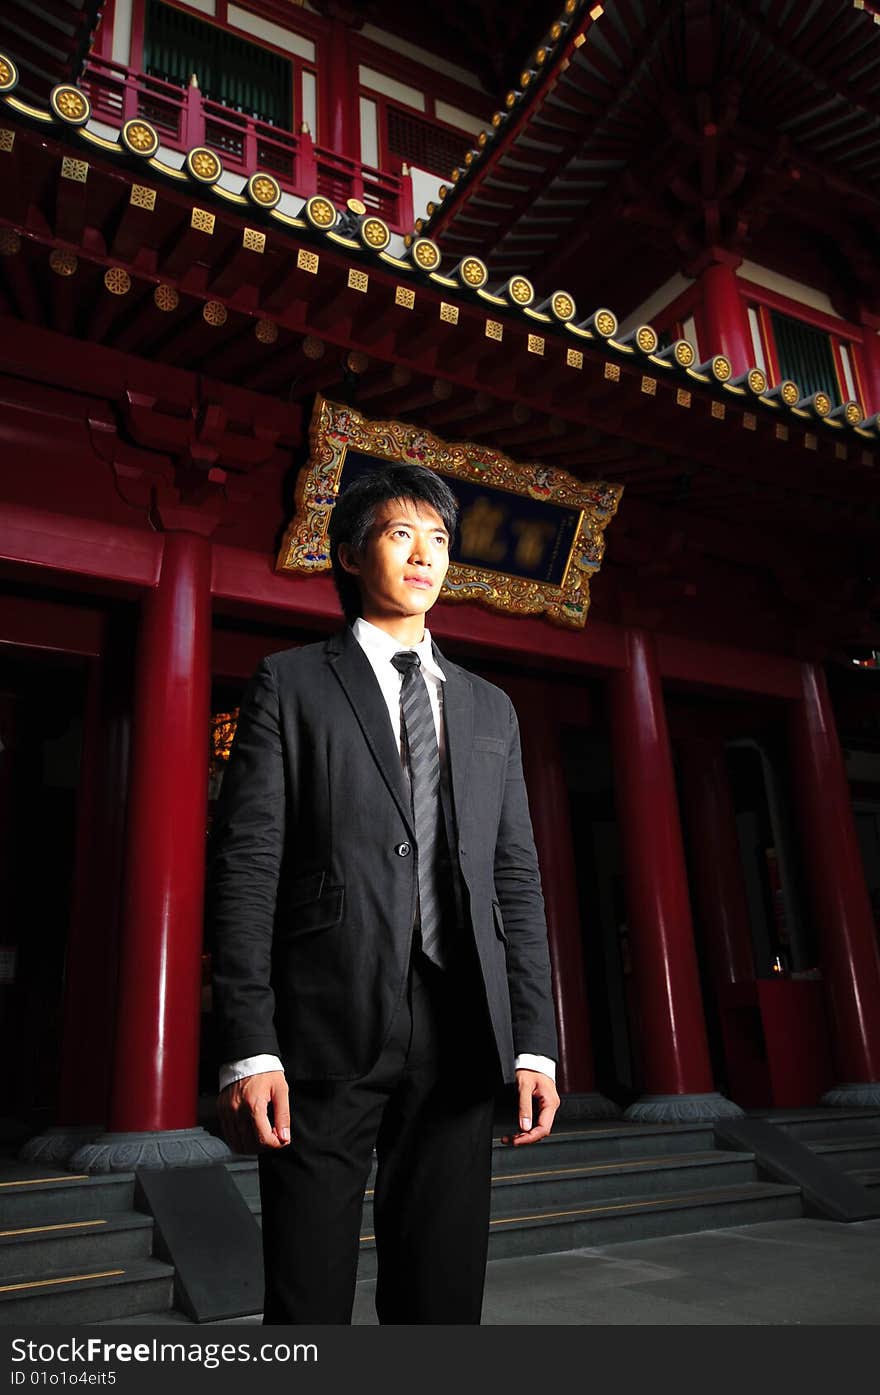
(403, 849)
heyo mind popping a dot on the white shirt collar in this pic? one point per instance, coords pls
(381, 645)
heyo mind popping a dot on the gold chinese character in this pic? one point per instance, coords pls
(479, 531)
(533, 537)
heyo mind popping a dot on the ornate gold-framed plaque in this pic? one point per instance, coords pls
(530, 536)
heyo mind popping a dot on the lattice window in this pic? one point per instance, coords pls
(246, 77)
(805, 355)
(419, 142)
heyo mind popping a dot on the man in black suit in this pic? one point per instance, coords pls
(381, 961)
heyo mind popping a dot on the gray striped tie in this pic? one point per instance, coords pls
(423, 759)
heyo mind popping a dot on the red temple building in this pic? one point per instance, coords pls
(632, 241)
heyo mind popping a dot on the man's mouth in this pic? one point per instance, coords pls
(418, 581)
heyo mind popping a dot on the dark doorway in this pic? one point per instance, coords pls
(41, 718)
(614, 1024)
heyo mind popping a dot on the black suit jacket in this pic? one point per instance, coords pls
(312, 868)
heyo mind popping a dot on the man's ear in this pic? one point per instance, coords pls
(348, 558)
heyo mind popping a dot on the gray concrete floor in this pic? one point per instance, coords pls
(808, 1272)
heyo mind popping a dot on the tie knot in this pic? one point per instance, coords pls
(405, 661)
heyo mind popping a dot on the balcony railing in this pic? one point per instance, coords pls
(184, 118)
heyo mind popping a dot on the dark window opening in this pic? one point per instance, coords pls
(805, 355)
(245, 77)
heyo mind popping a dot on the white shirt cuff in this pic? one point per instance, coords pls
(249, 1065)
(526, 1061)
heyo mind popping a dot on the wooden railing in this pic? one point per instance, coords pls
(184, 118)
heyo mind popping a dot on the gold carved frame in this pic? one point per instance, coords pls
(335, 429)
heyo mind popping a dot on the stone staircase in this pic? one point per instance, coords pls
(849, 1138)
(600, 1184)
(75, 1249)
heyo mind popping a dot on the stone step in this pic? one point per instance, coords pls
(849, 1153)
(88, 1294)
(595, 1143)
(644, 1178)
(826, 1124)
(545, 1231)
(245, 1175)
(31, 1251)
(56, 1196)
(869, 1177)
(578, 1147)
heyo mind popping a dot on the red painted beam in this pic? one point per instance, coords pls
(723, 666)
(58, 544)
(247, 583)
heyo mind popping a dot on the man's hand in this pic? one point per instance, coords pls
(534, 1085)
(243, 1108)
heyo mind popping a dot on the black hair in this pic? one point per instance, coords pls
(355, 510)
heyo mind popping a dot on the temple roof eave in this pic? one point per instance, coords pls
(545, 340)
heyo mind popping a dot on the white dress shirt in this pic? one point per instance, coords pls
(380, 648)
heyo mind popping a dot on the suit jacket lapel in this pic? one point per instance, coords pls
(458, 709)
(355, 674)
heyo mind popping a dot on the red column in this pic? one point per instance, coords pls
(850, 960)
(342, 93)
(869, 365)
(157, 1034)
(724, 319)
(718, 884)
(8, 738)
(544, 769)
(664, 957)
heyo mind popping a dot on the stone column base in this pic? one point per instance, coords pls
(681, 1109)
(123, 1152)
(590, 1105)
(57, 1145)
(864, 1095)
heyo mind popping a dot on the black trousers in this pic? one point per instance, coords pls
(427, 1107)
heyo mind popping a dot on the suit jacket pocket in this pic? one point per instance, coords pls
(490, 743)
(499, 923)
(320, 912)
(305, 889)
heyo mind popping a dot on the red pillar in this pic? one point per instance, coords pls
(544, 769)
(342, 93)
(850, 960)
(157, 1036)
(718, 884)
(8, 736)
(869, 364)
(724, 320)
(664, 957)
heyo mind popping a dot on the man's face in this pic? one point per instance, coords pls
(404, 562)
